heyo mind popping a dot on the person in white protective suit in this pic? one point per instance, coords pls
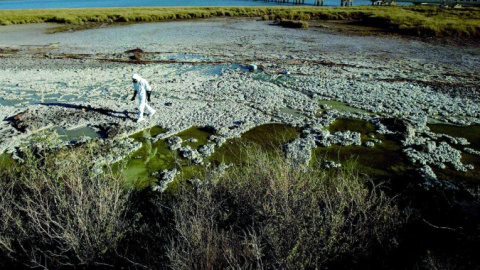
(142, 89)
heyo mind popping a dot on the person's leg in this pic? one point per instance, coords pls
(141, 108)
(151, 111)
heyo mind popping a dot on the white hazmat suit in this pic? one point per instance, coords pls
(141, 87)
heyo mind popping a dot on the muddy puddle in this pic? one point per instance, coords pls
(292, 112)
(77, 133)
(339, 106)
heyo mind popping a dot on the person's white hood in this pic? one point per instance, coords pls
(136, 77)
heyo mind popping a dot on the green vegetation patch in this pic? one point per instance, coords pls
(409, 20)
(293, 24)
(6, 161)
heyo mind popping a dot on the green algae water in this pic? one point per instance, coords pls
(195, 136)
(383, 161)
(6, 161)
(149, 159)
(142, 166)
(269, 137)
(472, 134)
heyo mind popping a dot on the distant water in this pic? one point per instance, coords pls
(37, 4)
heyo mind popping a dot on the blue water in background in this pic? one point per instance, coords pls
(29, 4)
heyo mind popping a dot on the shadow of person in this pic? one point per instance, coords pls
(124, 115)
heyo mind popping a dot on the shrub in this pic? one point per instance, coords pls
(268, 214)
(294, 24)
(57, 211)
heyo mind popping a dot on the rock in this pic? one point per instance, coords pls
(167, 177)
(206, 150)
(370, 144)
(175, 143)
(221, 130)
(471, 151)
(109, 130)
(431, 181)
(189, 153)
(403, 128)
(299, 151)
(430, 146)
(328, 164)
(438, 156)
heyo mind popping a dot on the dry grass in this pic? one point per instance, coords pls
(267, 214)
(420, 21)
(57, 212)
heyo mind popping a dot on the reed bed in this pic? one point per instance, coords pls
(409, 20)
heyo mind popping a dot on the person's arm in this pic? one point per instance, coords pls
(148, 89)
(134, 95)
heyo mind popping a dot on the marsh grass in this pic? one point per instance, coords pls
(293, 24)
(418, 21)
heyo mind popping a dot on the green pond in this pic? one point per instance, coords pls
(142, 165)
(386, 160)
(269, 137)
(383, 161)
(150, 158)
(472, 134)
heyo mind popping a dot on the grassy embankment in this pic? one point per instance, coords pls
(419, 21)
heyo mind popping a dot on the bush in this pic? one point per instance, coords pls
(56, 211)
(269, 214)
(294, 24)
